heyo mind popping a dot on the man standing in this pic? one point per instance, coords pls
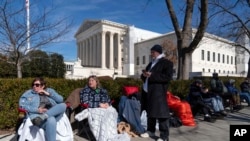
(156, 78)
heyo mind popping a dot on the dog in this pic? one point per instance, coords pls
(123, 127)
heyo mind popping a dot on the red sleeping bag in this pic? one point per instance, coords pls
(181, 108)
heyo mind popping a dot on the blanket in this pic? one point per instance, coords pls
(28, 132)
(103, 123)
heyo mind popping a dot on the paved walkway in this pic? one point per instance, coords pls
(204, 131)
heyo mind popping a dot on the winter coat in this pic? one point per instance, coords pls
(154, 100)
(245, 87)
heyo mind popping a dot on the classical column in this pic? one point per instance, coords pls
(98, 50)
(111, 51)
(91, 51)
(119, 56)
(103, 50)
(84, 52)
(95, 51)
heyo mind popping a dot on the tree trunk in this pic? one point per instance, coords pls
(19, 70)
(248, 71)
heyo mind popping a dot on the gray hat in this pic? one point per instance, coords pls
(157, 48)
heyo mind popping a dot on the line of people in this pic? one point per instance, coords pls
(45, 106)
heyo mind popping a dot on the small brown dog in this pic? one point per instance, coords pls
(125, 127)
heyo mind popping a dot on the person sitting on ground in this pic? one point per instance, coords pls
(44, 107)
(235, 94)
(196, 101)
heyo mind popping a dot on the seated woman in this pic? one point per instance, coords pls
(44, 107)
(102, 117)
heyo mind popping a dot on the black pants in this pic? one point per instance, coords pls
(200, 106)
(163, 126)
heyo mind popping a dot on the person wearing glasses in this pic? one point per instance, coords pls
(44, 107)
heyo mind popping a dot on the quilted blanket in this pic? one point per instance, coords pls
(103, 123)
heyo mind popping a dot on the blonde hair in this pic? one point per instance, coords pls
(98, 85)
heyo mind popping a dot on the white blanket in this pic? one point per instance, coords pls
(33, 133)
(103, 123)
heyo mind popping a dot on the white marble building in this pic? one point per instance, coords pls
(106, 48)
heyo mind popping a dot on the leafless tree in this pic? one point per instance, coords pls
(234, 23)
(186, 43)
(13, 30)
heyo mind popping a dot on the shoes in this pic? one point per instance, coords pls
(223, 113)
(37, 121)
(160, 139)
(207, 118)
(147, 134)
(238, 107)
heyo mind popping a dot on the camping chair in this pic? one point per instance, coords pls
(25, 129)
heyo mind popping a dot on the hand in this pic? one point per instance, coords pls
(41, 92)
(146, 74)
(104, 105)
(42, 110)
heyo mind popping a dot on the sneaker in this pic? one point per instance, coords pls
(223, 113)
(161, 139)
(147, 134)
(207, 118)
(37, 121)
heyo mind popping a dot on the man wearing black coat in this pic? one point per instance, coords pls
(156, 78)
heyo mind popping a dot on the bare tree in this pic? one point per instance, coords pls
(13, 31)
(186, 43)
(234, 23)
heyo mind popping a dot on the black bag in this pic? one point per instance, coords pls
(175, 122)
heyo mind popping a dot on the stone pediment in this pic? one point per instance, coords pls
(86, 25)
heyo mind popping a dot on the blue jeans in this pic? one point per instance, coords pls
(216, 103)
(55, 113)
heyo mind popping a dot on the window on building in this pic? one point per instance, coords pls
(219, 71)
(223, 58)
(138, 61)
(227, 59)
(203, 70)
(143, 59)
(213, 56)
(202, 55)
(235, 61)
(214, 71)
(218, 57)
(208, 70)
(208, 55)
(232, 60)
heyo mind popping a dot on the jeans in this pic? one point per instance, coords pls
(216, 103)
(54, 114)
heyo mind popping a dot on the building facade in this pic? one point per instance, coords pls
(106, 48)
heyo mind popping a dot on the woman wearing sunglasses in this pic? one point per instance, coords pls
(44, 107)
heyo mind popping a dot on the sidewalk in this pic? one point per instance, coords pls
(204, 131)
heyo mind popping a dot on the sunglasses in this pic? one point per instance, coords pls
(37, 85)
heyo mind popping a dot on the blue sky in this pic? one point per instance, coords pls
(145, 14)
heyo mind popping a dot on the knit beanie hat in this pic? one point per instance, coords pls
(157, 48)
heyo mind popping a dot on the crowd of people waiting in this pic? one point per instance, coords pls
(45, 107)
